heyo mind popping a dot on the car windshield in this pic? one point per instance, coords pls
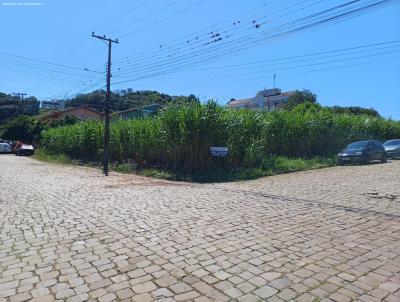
(392, 143)
(357, 146)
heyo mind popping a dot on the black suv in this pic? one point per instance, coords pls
(362, 152)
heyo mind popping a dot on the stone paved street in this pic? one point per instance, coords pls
(70, 234)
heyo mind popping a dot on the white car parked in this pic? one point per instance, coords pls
(5, 148)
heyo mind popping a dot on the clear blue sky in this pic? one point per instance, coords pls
(59, 31)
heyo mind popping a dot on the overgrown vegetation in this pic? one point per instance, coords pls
(180, 137)
(13, 106)
(278, 165)
(126, 99)
(23, 127)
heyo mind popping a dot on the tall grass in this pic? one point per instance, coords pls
(180, 137)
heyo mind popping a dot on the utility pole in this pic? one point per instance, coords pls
(107, 103)
(20, 95)
(274, 79)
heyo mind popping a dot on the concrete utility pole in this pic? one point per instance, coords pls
(107, 103)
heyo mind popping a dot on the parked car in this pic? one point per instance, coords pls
(392, 148)
(362, 152)
(5, 148)
(24, 150)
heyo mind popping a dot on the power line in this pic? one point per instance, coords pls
(145, 17)
(326, 62)
(116, 19)
(42, 61)
(236, 46)
(361, 48)
(80, 45)
(288, 1)
(199, 40)
(13, 65)
(20, 95)
(164, 19)
(325, 69)
(208, 55)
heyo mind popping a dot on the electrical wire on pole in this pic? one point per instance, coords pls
(19, 95)
(107, 103)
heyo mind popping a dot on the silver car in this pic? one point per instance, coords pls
(5, 148)
(392, 148)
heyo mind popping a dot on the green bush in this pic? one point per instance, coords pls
(179, 138)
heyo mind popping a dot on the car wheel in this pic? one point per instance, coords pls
(341, 163)
(384, 159)
(367, 160)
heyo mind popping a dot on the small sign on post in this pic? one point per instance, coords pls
(219, 151)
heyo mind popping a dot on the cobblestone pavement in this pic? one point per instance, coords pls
(70, 234)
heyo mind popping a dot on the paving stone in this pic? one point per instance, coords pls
(162, 293)
(39, 292)
(146, 298)
(269, 276)
(181, 287)
(65, 293)
(20, 297)
(339, 297)
(108, 297)
(390, 286)
(249, 298)
(306, 297)
(97, 293)
(99, 284)
(144, 287)
(265, 291)
(188, 296)
(78, 298)
(124, 293)
(47, 298)
(287, 294)
(70, 234)
(233, 292)
(202, 287)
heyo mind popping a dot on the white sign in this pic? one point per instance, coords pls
(219, 151)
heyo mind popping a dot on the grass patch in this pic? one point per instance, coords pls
(51, 158)
(271, 166)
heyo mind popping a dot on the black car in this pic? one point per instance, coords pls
(362, 152)
(25, 150)
(392, 148)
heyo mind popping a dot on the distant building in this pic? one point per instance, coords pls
(266, 100)
(139, 112)
(54, 105)
(83, 113)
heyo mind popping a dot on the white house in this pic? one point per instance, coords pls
(55, 105)
(267, 100)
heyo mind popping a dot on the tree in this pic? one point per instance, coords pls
(23, 128)
(300, 97)
(67, 121)
(356, 110)
(307, 107)
(126, 99)
(12, 106)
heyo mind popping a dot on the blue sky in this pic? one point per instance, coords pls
(59, 32)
